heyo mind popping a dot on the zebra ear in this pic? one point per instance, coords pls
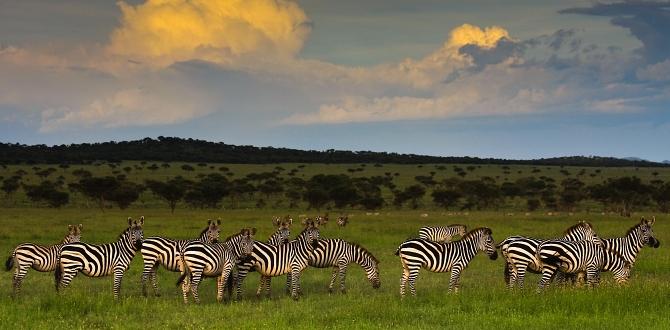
(80, 226)
(209, 222)
(141, 221)
(69, 228)
(652, 221)
(130, 221)
(253, 231)
(218, 222)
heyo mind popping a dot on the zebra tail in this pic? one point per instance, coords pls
(9, 263)
(397, 251)
(57, 276)
(186, 271)
(506, 272)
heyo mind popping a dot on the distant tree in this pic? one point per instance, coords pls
(82, 173)
(153, 167)
(125, 194)
(446, 198)
(662, 197)
(47, 192)
(625, 194)
(571, 193)
(98, 189)
(172, 190)
(209, 191)
(532, 204)
(187, 167)
(10, 185)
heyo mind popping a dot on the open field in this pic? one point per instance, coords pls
(483, 302)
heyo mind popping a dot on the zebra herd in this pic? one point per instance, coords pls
(229, 260)
(579, 253)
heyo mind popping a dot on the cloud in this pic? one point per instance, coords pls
(164, 32)
(648, 21)
(655, 72)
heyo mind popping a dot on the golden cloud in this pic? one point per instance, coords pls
(167, 31)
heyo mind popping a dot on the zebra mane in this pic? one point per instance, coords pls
(203, 231)
(475, 232)
(124, 232)
(231, 237)
(634, 228)
(578, 224)
(365, 251)
(457, 225)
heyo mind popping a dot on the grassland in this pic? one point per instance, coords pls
(483, 303)
(403, 176)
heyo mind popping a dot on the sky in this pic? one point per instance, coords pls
(515, 79)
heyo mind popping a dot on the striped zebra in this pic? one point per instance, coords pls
(580, 256)
(338, 254)
(443, 257)
(629, 245)
(280, 236)
(290, 258)
(100, 260)
(38, 257)
(520, 252)
(158, 251)
(442, 234)
(321, 220)
(342, 221)
(201, 259)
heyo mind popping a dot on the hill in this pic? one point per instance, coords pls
(168, 149)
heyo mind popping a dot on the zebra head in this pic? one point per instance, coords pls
(343, 220)
(246, 242)
(648, 233)
(134, 234)
(460, 230)
(283, 232)
(582, 231)
(212, 232)
(74, 234)
(485, 243)
(311, 232)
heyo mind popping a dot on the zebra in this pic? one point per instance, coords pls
(442, 234)
(38, 257)
(342, 221)
(338, 254)
(279, 237)
(158, 251)
(201, 259)
(580, 256)
(100, 260)
(520, 252)
(290, 258)
(443, 257)
(630, 245)
(321, 220)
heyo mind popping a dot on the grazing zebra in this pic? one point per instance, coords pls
(339, 254)
(342, 221)
(38, 257)
(520, 252)
(580, 256)
(158, 251)
(442, 234)
(290, 258)
(321, 220)
(443, 257)
(100, 260)
(213, 260)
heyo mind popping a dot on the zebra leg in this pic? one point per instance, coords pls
(295, 283)
(220, 285)
(19, 275)
(413, 274)
(547, 274)
(289, 282)
(333, 279)
(403, 278)
(118, 276)
(66, 277)
(343, 275)
(241, 274)
(186, 288)
(591, 276)
(196, 277)
(261, 285)
(455, 277)
(146, 275)
(520, 275)
(154, 281)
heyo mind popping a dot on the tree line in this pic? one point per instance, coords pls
(168, 149)
(339, 191)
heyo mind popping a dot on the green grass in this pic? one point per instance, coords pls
(482, 303)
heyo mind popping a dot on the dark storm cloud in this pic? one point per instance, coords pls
(648, 21)
(503, 50)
